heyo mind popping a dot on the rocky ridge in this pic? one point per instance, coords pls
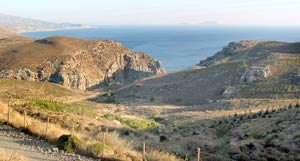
(76, 63)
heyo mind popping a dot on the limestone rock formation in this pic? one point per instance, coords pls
(228, 92)
(255, 73)
(76, 63)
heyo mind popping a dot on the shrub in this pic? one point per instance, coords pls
(273, 110)
(158, 118)
(59, 107)
(163, 138)
(140, 124)
(113, 143)
(257, 135)
(70, 144)
(136, 124)
(110, 100)
(109, 97)
(223, 130)
(267, 111)
(97, 149)
(254, 115)
(178, 100)
(241, 118)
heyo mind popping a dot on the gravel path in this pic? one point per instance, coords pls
(15, 142)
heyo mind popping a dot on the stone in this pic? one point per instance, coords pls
(55, 150)
(228, 92)
(255, 73)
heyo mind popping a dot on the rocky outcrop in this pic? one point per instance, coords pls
(229, 92)
(234, 48)
(239, 51)
(19, 73)
(255, 73)
(134, 68)
(77, 63)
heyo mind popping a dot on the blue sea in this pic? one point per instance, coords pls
(178, 47)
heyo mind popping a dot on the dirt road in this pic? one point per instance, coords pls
(31, 148)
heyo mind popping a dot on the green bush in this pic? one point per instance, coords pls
(136, 124)
(96, 149)
(60, 107)
(256, 135)
(223, 130)
(70, 144)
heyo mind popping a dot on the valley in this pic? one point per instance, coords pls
(240, 104)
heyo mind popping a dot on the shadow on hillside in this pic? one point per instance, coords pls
(120, 78)
(182, 88)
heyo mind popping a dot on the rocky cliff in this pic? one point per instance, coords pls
(76, 63)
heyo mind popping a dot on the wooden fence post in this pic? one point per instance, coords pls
(46, 134)
(103, 142)
(144, 151)
(199, 155)
(24, 119)
(8, 114)
(72, 133)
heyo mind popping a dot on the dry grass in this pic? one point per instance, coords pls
(19, 91)
(5, 156)
(161, 156)
(35, 126)
(114, 145)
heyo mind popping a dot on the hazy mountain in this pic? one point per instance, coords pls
(20, 24)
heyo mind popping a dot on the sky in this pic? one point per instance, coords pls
(154, 12)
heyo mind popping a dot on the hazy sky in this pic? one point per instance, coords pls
(231, 12)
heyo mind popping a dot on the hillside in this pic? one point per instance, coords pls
(246, 69)
(75, 63)
(241, 104)
(4, 33)
(20, 24)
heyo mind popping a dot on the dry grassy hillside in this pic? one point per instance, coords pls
(4, 33)
(20, 91)
(8, 38)
(241, 70)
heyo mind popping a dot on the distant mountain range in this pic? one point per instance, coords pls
(20, 24)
